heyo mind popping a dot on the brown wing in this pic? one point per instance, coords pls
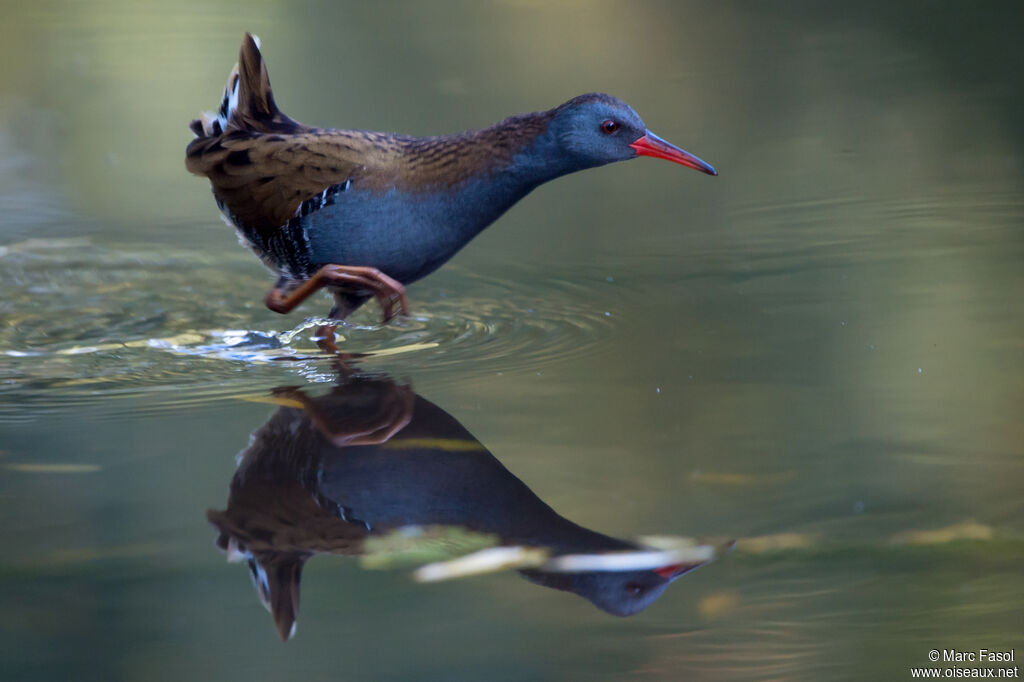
(263, 164)
(262, 178)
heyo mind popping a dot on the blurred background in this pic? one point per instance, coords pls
(819, 352)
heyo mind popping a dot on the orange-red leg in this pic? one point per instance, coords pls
(325, 338)
(387, 290)
(325, 341)
(394, 406)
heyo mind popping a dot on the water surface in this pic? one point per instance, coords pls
(817, 354)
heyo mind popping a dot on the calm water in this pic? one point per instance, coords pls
(818, 354)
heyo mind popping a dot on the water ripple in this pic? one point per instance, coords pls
(84, 324)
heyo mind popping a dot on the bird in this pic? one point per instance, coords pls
(367, 213)
(329, 473)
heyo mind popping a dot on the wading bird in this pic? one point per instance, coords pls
(366, 213)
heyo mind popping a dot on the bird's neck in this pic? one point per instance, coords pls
(475, 177)
(515, 155)
(539, 158)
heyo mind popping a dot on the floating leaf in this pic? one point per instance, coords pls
(774, 543)
(718, 604)
(637, 560)
(416, 545)
(968, 530)
(484, 561)
(727, 478)
(54, 468)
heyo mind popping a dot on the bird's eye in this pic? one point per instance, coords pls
(609, 127)
(633, 588)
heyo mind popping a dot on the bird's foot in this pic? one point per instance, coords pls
(344, 428)
(388, 291)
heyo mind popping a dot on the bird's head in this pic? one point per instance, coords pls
(620, 593)
(596, 129)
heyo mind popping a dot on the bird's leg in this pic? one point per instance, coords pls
(325, 338)
(387, 290)
(325, 341)
(394, 412)
(345, 303)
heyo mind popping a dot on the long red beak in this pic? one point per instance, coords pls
(652, 145)
(675, 570)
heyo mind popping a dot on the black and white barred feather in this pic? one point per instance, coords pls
(210, 124)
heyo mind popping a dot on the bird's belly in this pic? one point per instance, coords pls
(407, 236)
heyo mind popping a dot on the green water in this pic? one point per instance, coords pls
(819, 353)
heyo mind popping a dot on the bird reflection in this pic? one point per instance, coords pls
(326, 473)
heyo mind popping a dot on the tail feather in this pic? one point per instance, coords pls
(248, 102)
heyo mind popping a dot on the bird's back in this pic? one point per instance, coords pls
(302, 197)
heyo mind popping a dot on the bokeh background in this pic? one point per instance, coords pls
(819, 352)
